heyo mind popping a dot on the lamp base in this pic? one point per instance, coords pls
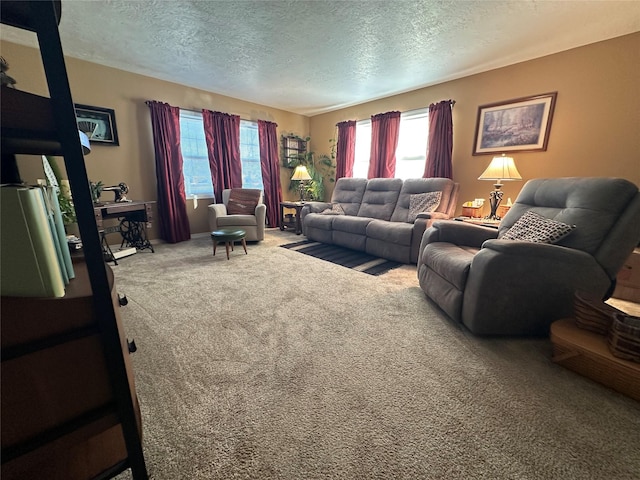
(301, 188)
(495, 198)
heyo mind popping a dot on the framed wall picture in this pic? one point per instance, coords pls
(519, 125)
(98, 123)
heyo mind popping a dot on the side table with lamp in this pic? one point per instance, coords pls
(301, 175)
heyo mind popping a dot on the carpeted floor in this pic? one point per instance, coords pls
(276, 365)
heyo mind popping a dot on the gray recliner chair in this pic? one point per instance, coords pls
(496, 286)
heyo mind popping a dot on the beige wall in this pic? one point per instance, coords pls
(133, 160)
(595, 129)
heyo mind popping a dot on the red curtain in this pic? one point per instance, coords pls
(440, 147)
(222, 134)
(270, 166)
(172, 203)
(345, 149)
(385, 129)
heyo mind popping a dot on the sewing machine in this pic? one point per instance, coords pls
(120, 192)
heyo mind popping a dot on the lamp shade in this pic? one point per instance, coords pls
(301, 173)
(501, 168)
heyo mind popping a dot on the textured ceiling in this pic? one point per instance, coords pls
(310, 57)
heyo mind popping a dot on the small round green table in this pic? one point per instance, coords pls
(229, 236)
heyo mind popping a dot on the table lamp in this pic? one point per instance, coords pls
(500, 169)
(301, 174)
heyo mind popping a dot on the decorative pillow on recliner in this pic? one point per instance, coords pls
(422, 202)
(243, 201)
(336, 209)
(533, 227)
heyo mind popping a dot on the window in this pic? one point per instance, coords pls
(197, 175)
(250, 155)
(411, 153)
(363, 149)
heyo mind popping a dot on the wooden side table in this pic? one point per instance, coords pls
(297, 224)
(587, 353)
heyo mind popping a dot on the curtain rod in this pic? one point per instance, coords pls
(451, 102)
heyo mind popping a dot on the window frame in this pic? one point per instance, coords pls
(194, 116)
(191, 115)
(363, 150)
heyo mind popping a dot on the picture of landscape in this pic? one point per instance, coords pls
(521, 124)
(512, 126)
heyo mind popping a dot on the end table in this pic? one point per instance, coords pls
(298, 220)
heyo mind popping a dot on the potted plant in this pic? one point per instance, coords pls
(96, 191)
(320, 168)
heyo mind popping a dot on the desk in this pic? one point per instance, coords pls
(134, 217)
(298, 220)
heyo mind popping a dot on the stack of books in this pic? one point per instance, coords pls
(34, 253)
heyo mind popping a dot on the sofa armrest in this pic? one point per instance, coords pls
(535, 251)
(261, 214)
(458, 233)
(433, 215)
(312, 207)
(525, 272)
(216, 210)
(315, 207)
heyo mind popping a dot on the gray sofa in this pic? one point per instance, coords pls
(376, 214)
(500, 286)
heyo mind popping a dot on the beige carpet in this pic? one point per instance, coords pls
(277, 365)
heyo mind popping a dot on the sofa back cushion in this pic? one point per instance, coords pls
(348, 194)
(596, 206)
(413, 186)
(380, 198)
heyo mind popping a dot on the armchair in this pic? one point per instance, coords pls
(224, 215)
(496, 286)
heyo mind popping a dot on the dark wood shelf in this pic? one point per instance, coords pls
(27, 124)
(68, 400)
(69, 406)
(19, 14)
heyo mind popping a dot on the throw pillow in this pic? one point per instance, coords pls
(243, 201)
(336, 209)
(533, 227)
(422, 202)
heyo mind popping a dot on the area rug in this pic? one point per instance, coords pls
(360, 261)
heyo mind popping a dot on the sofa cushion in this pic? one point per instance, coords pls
(398, 233)
(380, 197)
(421, 203)
(317, 220)
(243, 201)
(237, 220)
(349, 224)
(412, 186)
(348, 193)
(532, 227)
